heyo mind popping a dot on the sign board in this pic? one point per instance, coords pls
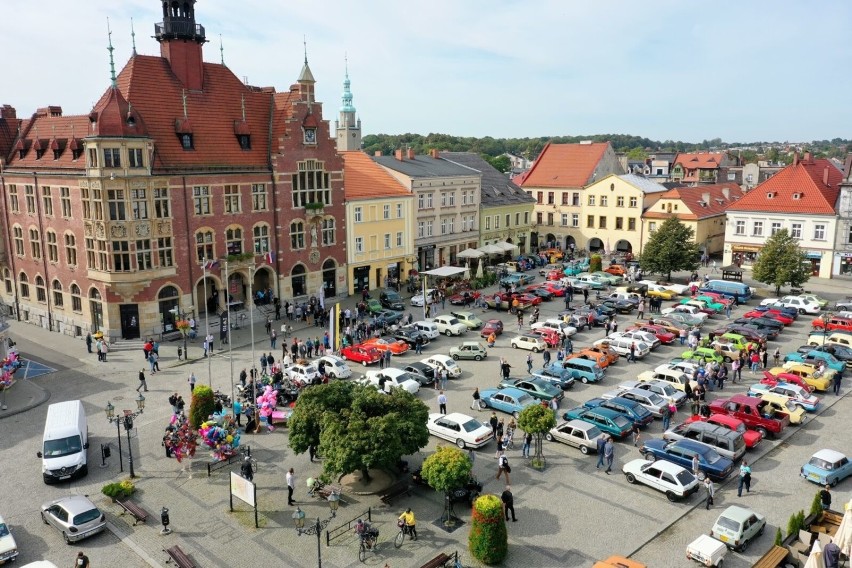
(243, 489)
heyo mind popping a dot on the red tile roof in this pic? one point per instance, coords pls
(693, 199)
(710, 160)
(565, 165)
(62, 132)
(805, 177)
(364, 178)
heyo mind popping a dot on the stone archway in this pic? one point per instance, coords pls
(570, 243)
(623, 246)
(329, 278)
(299, 280)
(207, 297)
(168, 300)
(595, 245)
(262, 285)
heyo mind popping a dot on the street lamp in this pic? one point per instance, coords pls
(317, 526)
(127, 420)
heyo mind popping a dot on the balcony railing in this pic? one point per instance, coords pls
(179, 29)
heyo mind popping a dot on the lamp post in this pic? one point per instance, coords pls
(317, 526)
(207, 328)
(127, 420)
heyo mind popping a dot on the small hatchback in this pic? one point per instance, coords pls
(469, 350)
(577, 433)
(827, 467)
(738, 526)
(76, 517)
(529, 342)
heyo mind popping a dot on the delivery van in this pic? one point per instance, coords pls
(65, 441)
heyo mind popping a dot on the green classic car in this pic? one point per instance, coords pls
(703, 354)
(538, 388)
(374, 306)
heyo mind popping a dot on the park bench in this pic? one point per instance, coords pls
(438, 561)
(139, 514)
(395, 491)
(179, 557)
(326, 490)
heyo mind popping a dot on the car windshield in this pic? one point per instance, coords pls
(593, 432)
(655, 399)
(62, 447)
(621, 421)
(711, 456)
(4, 530)
(86, 517)
(472, 425)
(685, 478)
(820, 463)
(728, 524)
(790, 406)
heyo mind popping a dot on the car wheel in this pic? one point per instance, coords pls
(760, 532)
(514, 346)
(650, 457)
(535, 350)
(801, 311)
(548, 437)
(584, 380)
(517, 415)
(763, 432)
(833, 483)
(584, 450)
(43, 519)
(455, 357)
(65, 538)
(631, 478)
(460, 443)
(448, 333)
(478, 358)
(701, 476)
(363, 363)
(744, 545)
(726, 359)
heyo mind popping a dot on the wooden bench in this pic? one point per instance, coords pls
(438, 561)
(327, 490)
(139, 514)
(179, 557)
(395, 491)
(773, 558)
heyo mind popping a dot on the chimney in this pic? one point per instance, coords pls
(434, 153)
(705, 197)
(8, 112)
(377, 153)
(825, 177)
(398, 154)
(411, 153)
(727, 193)
(796, 158)
(808, 158)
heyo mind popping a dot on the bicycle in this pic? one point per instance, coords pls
(400, 536)
(246, 451)
(368, 540)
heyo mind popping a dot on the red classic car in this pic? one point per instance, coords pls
(527, 299)
(664, 335)
(363, 355)
(491, 326)
(548, 336)
(554, 275)
(458, 299)
(842, 324)
(554, 288)
(772, 380)
(771, 314)
(395, 346)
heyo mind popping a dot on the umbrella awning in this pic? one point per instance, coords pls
(470, 253)
(843, 536)
(815, 557)
(490, 249)
(504, 246)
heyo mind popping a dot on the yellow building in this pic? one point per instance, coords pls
(701, 208)
(380, 220)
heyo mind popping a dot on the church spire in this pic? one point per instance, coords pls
(110, 48)
(348, 127)
(347, 93)
(133, 37)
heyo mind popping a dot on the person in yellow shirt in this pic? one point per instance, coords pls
(408, 518)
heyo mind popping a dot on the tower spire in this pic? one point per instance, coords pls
(348, 126)
(133, 36)
(110, 48)
(305, 43)
(221, 51)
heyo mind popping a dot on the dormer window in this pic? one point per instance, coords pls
(39, 154)
(186, 141)
(56, 153)
(244, 141)
(769, 195)
(797, 196)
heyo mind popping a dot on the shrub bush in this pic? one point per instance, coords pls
(488, 541)
(595, 263)
(201, 407)
(119, 490)
(778, 537)
(816, 505)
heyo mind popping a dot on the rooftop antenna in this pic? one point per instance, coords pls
(133, 36)
(111, 60)
(183, 96)
(221, 51)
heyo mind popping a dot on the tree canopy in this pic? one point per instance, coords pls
(355, 427)
(535, 419)
(781, 262)
(671, 247)
(447, 469)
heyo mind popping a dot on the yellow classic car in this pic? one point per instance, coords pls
(779, 403)
(820, 382)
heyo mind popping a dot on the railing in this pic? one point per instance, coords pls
(341, 530)
(178, 28)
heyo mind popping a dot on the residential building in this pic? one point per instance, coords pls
(506, 211)
(348, 126)
(704, 167)
(701, 208)
(557, 181)
(115, 214)
(517, 163)
(611, 212)
(756, 173)
(380, 224)
(800, 198)
(447, 201)
(842, 262)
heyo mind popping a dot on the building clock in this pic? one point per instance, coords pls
(310, 136)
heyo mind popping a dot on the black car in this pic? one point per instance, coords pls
(424, 374)
(792, 312)
(598, 320)
(388, 317)
(761, 323)
(410, 335)
(749, 332)
(541, 293)
(620, 306)
(768, 332)
(391, 300)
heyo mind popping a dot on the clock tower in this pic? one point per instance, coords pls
(348, 127)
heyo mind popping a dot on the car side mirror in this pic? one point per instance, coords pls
(38, 454)
(86, 446)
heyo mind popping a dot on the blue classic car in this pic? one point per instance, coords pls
(555, 375)
(538, 388)
(511, 401)
(606, 420)
(813, 357)
(827, 467)
(630, 409)
(681, 452)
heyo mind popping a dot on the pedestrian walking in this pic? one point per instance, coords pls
(695, 466)
(238, 412)
(246, 469)
(191, 380)
(711, 492)
(600, 445)
(142, 383)
(546, 357)
(642, 309)
(825, 497)
(745, 478)
(631, 357)
(82, 561)
(444, 376)
(505, 368)
(529, 362)
(503, 467)
(89, 342)
(494, 422)
(273, 339)
(475, 405)
(525, 449)
(836, 383)
(667, 417)
(508, 502)
(609, 454)
(291, 484)
(500, 429)
(682, 336)
(636, 433)
(442, 403)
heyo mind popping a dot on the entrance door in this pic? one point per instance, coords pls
(129, 321)
(362, 278)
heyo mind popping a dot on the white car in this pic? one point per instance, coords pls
(707, 551)
(335, 367)
(562, 328)
(390, 378)
(438, 361)
(303, 374)
(417, 300)
(642, 336)
(650, 400)
(675, 377)
(8, 547)
(685, 367)
(450, 325)
(693, 311)
(461, 429)
(664, 476)
(621, 345)
(679, 289)
(663, 389)
(532, 343)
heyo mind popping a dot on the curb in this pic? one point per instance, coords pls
(44, 397)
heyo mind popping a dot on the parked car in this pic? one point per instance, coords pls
(839, 352)
(529, 342)
(640, 336)
(469, 319)
(814, 357)
(558, 326)
(469, 350)
(302, 374)
(449, 325)
(808, 373)
(827, 467)
(577, 433)
(423, 373)
(694, 315)
(630, 409)
(550, 337)
(794, 393)
(76, 517)
(391, 300)
(652, 402)
(703, 355)
(675, 481)
(439, 361)
(418, 299)
(833, 323)
(556, 375)
(606, 420)
(657, 291)
(663, 335)
(681, 452)
(727, 442)
(753, 412)
(510, 401)
(772, 380)
(802, 305)
(751, 437)
(538, 388)
(601, 356)
(374, 306)
(410, 336)
(363, 355)
(391, 378)
(395, 346)
(8, 546)
(675, 377)
(463, 430)
(662, 389)
(584, 370)
(494, 326)
(388, 318)
(621, 345)
(738, 526)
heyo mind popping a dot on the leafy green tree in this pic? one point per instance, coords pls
(779, 538)
(537, 420)
(637, 153)
(781, 262)
(488, 541)
(446, 470)
(595, 263)
(671, 247)
(357, 428)
(201, 406)
(500, 163)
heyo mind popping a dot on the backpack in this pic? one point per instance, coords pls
(504, 464)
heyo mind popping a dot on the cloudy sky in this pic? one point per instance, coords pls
(665, 69)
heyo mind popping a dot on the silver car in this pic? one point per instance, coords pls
(75, 517)
(662, 388)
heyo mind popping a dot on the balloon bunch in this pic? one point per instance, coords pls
(12, 361)
(6, 379)
(180, 439)
(266, 403)
(222, 439)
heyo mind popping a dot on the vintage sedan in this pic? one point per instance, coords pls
(808, 373)
(469, 350)
(556, 375)
(468, 318)
(751, 437)
(510, 401)
(606, 420)
(703, 355)
(687, 314)
(76, 517)
(461, 429)
(630, 409)
(675, 481)
(794, 393)
(8, 547)
(391, 300)
(547, 335)
(657, 291)
(840, 352)
(418, 300)
(465, 298)
(423, 373)
(681, 452)
(771, 314)
(410, 335)
(363, 355)
(663, 335)
(827, 467)
(538, 388)
(494, 326)
(577, 433)
(602, 356)
(772, 380)
(395, 346)
(814, 357)
(738, 526)
(529, 342)
(374, 306)
(558, 290)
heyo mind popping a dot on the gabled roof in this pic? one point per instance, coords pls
(693, 198)
(497, 188)
(806, 178)
(642, 183)
(424, 167)
(65, 133)
(690, 161)
(565, 165)
(365, 179)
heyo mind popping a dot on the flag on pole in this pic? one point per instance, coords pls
(333, 331)
(270, 257)
(321, 296)
(210, 264)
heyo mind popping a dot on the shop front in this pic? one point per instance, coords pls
(426, 257)
(360, 279)
(744, 255)
(813, 261)
(843, 264)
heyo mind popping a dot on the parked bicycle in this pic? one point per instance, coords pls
(368, 538)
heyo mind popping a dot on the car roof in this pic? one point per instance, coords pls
(737, 513)
(579, 424)
(74, 504)
(517, 393)
(669, 467)
(692, 445)
(829, 455)
(456, 416)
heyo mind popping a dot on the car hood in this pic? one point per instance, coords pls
(7, 544)
(69, 461)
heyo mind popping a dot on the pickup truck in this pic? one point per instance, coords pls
(749, 409)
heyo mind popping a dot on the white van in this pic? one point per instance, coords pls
(66, 439)
(430, 329)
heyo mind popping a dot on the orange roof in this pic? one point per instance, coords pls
(710, 160)
(363, 178)
(805, 177)
(694, 200)
(62, 133)
(565, 165)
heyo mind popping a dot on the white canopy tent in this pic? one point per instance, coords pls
(843, 536)
(815, 557)
(440, 272)
(490, 249)
(505, 247)
(470, 253)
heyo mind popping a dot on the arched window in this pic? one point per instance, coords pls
(76, 300)
(7, 278)
(329, 278)
(52, 247)
(18, 237)
(298, 279)
(24, 284)
(41, 290)
(261, 238)
(204, 245)
(297, 235)
(57, 294)
(35, 243)
(234, 240)
(328, 231)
